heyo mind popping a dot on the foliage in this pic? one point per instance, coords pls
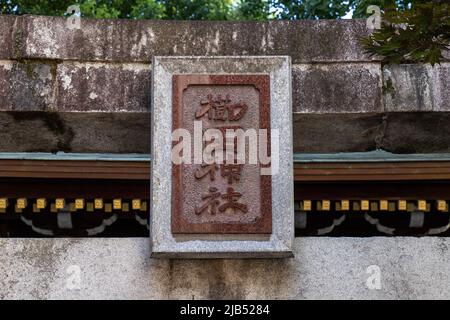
(207, 9)
(148, 9)
(312, 9)
(256, 10)
(360, 6)
(42, 7)
(293, 9)
(416, 35)
(197, 10)
(135, 9)
(186, 9)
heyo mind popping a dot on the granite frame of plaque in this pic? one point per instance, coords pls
(243, 214)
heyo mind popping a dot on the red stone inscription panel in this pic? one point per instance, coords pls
(221, 198)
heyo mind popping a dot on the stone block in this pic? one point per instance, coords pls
(419, 132)
(326, 40)
(417, 87)
(140, 40)
(164, 242)
(125, 132)
(337, 88)
(77, 132)
(103, 87)
(328, 133)
(442, 91)
(26, 85)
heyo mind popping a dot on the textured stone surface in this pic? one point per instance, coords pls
(442, 91)
(323, 268)
(163, 243)
(417, 87)
(335, 88)
(103, 87)
(26, 86)
(125, 87)
(406, 132)
(75, 132)
(326, 133)
(25, 132)
(325, 40)
(315, 133)
(6, 36)
(396, 132)
(427, 132)
(103, 40)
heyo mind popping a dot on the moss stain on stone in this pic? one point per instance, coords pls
(29, 69)
(18, 42)
(388, 87)
(35, 70)
(54, 122)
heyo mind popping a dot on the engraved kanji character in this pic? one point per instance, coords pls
(231, 172)
(236, 111)
(216, 108)
(205, 169)
(206, 107)
(211, 203)
(220, 107)
(232, 198)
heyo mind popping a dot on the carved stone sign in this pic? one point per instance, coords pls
(221, 197)
(222, 181)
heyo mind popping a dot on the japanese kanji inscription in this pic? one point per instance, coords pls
(221, 197)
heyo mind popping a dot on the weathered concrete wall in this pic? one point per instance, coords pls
(323, 268)
(137, 41)
(88, 90)
(102, 71)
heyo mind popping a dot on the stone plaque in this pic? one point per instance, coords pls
(222, 180)
(221, 197)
